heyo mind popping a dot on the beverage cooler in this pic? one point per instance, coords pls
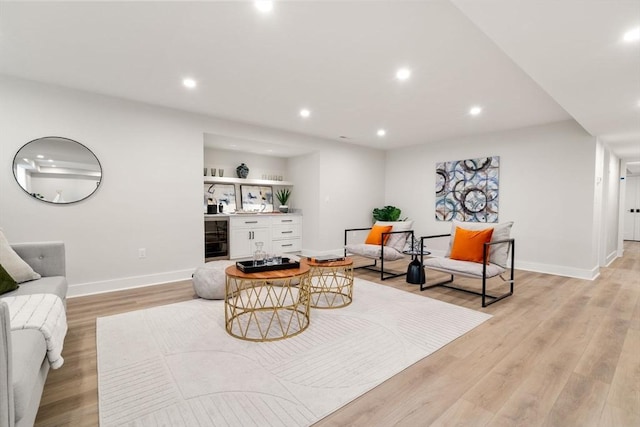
(216, 237)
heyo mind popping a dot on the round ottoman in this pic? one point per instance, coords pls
(209, 280)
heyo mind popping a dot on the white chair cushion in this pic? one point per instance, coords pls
(462, 268)
(397, 241)
(498, 254)
(374, 251)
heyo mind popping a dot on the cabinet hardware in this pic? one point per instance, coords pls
(251, 222)
(287, 220)
(287, 232)
(290, 244)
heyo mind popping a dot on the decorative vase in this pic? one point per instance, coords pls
(242, 171)
(283, 208)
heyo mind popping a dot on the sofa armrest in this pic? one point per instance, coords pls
(7, 409)
(46, 258)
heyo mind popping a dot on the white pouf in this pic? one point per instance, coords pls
(209, 280)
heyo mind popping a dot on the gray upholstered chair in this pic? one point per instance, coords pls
(500, 252)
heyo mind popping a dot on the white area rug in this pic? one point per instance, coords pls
(175, 365)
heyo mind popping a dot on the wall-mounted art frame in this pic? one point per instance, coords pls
(467, 190)
(257, 198)
(223, 193)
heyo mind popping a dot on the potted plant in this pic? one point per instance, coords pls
(387, 213)
(283, 197)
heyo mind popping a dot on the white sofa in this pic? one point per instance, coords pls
(23, 362)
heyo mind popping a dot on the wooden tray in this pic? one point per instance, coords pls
(248, 267)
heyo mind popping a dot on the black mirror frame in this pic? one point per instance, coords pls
(13, 170)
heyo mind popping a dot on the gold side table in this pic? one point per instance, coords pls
(268, 305)
(331, 283)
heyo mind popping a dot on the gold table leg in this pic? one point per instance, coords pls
(267, 310)
(331, 286)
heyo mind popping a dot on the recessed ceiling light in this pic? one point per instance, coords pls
(305, 113)
(632, 35)
(40, 156)
(474, 111)
(403, 74)
(189, 83)
(50, 160)
(264, 6)
(381, 132)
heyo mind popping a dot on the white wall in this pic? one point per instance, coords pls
(151, 159)
(610, 207)
(258, 165)
(304, 172)
(335, 187)
(352, 182)
(547, 185)
(151, 193)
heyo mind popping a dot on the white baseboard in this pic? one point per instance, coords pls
(83, 289)
(559, 270)
(611, 257)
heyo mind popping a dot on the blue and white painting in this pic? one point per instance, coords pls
(467, 190)
(224, 194)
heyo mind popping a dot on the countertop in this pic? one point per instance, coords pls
(228, 215)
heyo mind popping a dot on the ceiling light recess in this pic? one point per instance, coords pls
(263, 6)
(305, 113)
(403, 74)
(632, 35)
(381, 132)
(474, 111)
(190, 83)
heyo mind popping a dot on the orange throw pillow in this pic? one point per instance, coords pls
(468, 244)
(375, 235)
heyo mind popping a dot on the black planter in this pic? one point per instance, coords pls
(415, 273)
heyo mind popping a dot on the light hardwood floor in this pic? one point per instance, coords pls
(559, 352)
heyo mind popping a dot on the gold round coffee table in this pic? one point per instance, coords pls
(267, 305)
(331, 283)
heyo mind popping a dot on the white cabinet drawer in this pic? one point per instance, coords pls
(286, 219)
(249, 221)
(284, 246)
(289, 231)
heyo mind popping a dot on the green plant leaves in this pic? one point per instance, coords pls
(283, 195)
(388, 213)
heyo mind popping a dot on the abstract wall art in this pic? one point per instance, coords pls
(467, 190)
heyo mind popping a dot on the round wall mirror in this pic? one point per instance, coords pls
(57, 170)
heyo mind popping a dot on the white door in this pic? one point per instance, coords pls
(632, 209)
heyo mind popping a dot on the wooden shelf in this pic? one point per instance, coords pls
(225, 180)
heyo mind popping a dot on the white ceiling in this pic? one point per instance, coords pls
(525, 62)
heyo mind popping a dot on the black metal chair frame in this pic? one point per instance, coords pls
(485, 252)
(384, 275)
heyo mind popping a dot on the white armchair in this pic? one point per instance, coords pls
(389, 248)
(496, 258)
